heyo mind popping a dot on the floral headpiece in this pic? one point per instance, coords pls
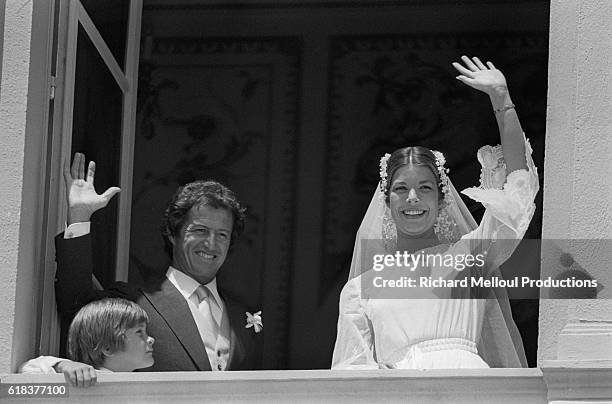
(442, 171)
(383, 172)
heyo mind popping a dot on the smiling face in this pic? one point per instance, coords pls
(137, 351)
(413, 201)
(201, 245)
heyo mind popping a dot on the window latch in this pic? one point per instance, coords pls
(52, 88)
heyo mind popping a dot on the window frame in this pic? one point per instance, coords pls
(70, 15)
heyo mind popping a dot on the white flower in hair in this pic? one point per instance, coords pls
(443, 171)
(440, 160)
(383, 172)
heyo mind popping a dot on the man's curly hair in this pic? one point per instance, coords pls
(200, 193)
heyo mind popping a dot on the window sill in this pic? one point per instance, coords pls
(473, 385)
(555, 381)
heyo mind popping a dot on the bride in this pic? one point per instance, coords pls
(416, 210)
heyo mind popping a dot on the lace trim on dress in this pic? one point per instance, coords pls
(508, 197)
(493, 171)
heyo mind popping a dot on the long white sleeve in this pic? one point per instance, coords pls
(354, 347)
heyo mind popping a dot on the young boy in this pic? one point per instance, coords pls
(109, 335)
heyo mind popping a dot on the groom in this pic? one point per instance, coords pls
(194, 325)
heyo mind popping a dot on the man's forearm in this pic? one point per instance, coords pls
(73, 285)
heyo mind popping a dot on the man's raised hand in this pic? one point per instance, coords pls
(81, 195)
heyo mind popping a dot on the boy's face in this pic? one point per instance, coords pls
(138, 349)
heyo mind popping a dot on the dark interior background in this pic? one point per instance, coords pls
(291, 104)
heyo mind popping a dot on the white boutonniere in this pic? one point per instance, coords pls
(254, 320)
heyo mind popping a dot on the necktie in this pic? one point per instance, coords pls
(206, 303)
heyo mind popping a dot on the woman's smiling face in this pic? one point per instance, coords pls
(414, 200)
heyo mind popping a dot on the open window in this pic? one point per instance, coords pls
(94, 104)
(284, 102)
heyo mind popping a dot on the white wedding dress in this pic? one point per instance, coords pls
(437, 333)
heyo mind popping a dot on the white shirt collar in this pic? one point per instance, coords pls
(187, 285)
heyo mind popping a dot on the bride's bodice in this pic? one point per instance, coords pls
(399, 324)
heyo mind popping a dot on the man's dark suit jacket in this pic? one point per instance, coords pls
(178, 345)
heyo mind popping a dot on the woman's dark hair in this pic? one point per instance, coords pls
(200, 193)
(415, 155)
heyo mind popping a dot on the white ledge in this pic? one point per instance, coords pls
(578, 380)
(425, 386)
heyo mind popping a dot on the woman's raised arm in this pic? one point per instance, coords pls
(492, 82)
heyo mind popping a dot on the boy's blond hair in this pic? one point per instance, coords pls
(102, 325)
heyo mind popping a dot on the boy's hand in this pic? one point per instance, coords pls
(81, 195)
(76, 373)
